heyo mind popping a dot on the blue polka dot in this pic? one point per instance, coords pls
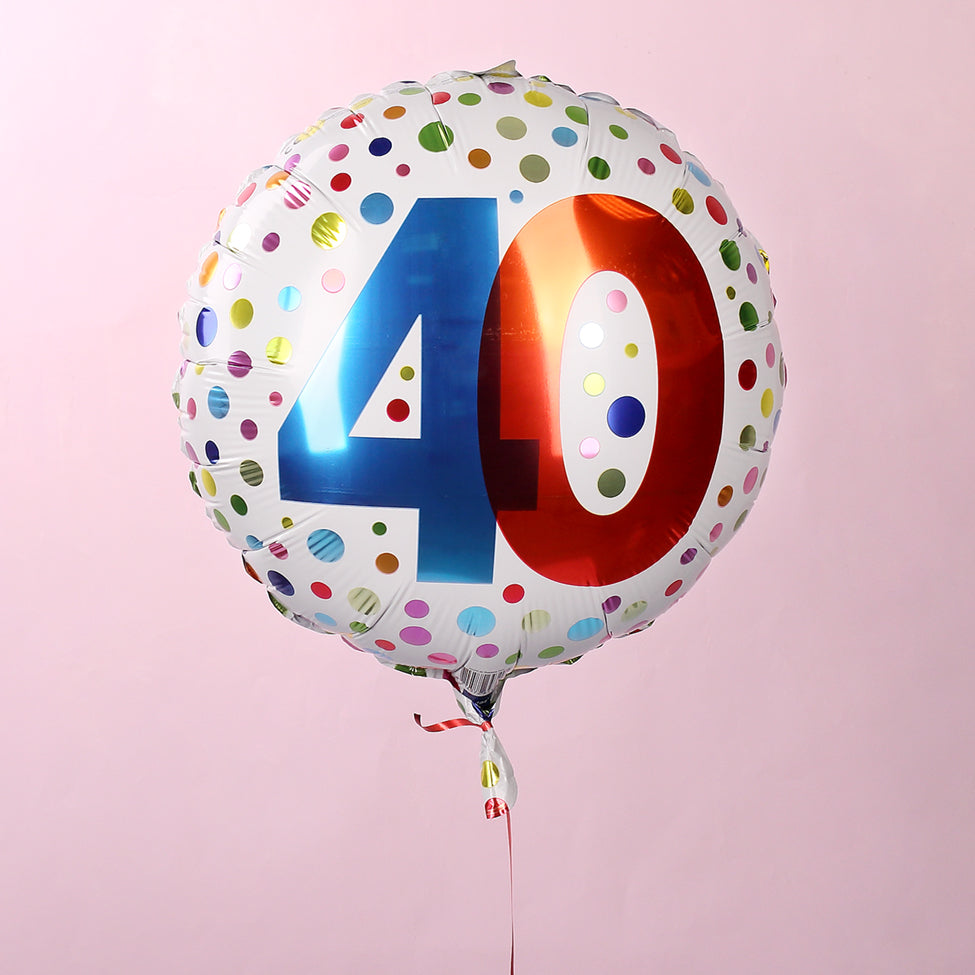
(326, 545)
(516, 196)
(584, 629)
(325, 619)
(289, 298)
(476, 621)
(376, 208)
(626, 416)
(212, 452)
(281, 583)
(218, 402)
(206, 326)
(564, 136)
(700, 175)
(379, 147)
(253, 542)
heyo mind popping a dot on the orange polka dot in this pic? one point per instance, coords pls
(277, 179)
(394, 111)
(387, 563)
(207, 268)
(479, 158)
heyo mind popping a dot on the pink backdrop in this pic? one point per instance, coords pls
(778, 777)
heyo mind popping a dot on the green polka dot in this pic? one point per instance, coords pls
(549, 652)
(176, 398)
(378, 528)
(536, 620)
(251, 472)
(221, 520)
(747, 437)
(748, 316)
(511, 128)
(193, 484)
(407, 373)
(238, 504)
(683, 201)
(241, 313)
(534, 168)
(577, 114)
(730, 292)
(634, 609)
(730, 255)
(413, 90)
(513, 659)
(619, 131)
(538, 98)
(599, 168)
(358, 627)
(435, 137)
(278, 605)
(611, 483)
(364, 601)
(631, 350)
(469, 98)
(741, 520)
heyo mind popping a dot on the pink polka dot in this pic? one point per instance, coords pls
(333, 280)
(589, 447)
(442, 658)
(278, 550)
(672, 588)
(716, 210)
(716, 532)
(416, 609)
(415, 636)
(274, 399)
(248, 429)
(616, 301)
(402, 170)
(231, 277)
(385, 645)
(645, 166)
(191, 453)
(246, 193)
(770, 355)
(487, 650)
(439, 97)
(291, 162)
(339, 152)
(751, 479)
(191, 408)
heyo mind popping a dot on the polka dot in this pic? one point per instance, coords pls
(278, 550)
(320, 590)
(618, 132)
(589, 448)
(616, 301)
(534, 168)
(487, 650)
(475, 621)
(577, 114)
(536, 620)
(716, 210)
(339, 152)
(212, 452)
(688, 556)
(751, 479)
(278, 350)
(748, 316)
(209, 484)
(289, 298)
(669, 153)
(501, 87)
(206, 326)
(191, 408)
(564, 136)
(673, 587)
(513, 658)
(364, 601)
(387, 563)
(276, 179)
(380, 146)
(241, 313)
(770, 355)
(444, 659)
(612, 604)
(402, 170)
(435, 137)
(645, 166)
(287, 522)
(730, 292)
(218, 402)
(594, 384)
(326, 545)
(246, 193)
(715, 532)
(510, 127)
(634, 609)
(538, 98)
(469, 98)
(768, 402)
(730, 255)
(725, 495)
(239, 237)
(416, 609)
(752, 273)
(415, 636)
(376, 208)
(385, 645)
(232, 276)
(549, 652)
(479, 158)
(394, 112)
(333, 280)
(207, 268)
(340, 182)
(275, 399)
(397, 410)
(328, 231)
(378, 528)
(325, 619)
(270, 242)
(591, 335)
(631, 350)
(239, 364)
(516, 196)
(248, 429)
(251, 472)
(611, 483)
(281, 583)
(513, 593)
(741, 520)
(351, 121)
(407, 373)
(598, 168)
(683, 201)
(626, 416)
(747, 437)
(584, 629)
(747, 374)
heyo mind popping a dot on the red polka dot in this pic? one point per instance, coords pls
(351, 121)
(321, 590)
(385, 645)
(513, 593)
(716, 210)
(402, 170)
(439, 97)
(397, 410)
(340, 181)
(672, 154)
(673, 587)
(747, 374)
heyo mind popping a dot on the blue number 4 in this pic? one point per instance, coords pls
(441, 266)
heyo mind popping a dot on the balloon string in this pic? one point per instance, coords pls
(452, 723)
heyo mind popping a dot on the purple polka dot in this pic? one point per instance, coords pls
(191, 453)
(415, 636)
(751, 479)
(688, 556)
(501, 87)
(291, 162)
(487, 650)
(442, 658)
(270, 242)
(752, 273)
(212, 451)
(646, 166)
(416, 609)
(239, 364)
(338, 152)
(616, 301)
(248, 429)
(612, 604)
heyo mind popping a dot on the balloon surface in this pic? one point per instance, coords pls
(479, 373)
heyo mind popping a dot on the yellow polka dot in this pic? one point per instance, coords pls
(209, 485)
(594, 384)
(538, 98)
(286, 522)
(278, 350)
(328, 230)
(241, 313)
(768, 402)
(631, 350)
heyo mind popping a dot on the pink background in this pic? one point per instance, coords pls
(778, 777)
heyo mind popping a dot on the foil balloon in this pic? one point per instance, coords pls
(479, 374)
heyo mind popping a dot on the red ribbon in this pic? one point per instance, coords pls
(452, 723)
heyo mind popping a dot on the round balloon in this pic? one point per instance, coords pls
(479, 373)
